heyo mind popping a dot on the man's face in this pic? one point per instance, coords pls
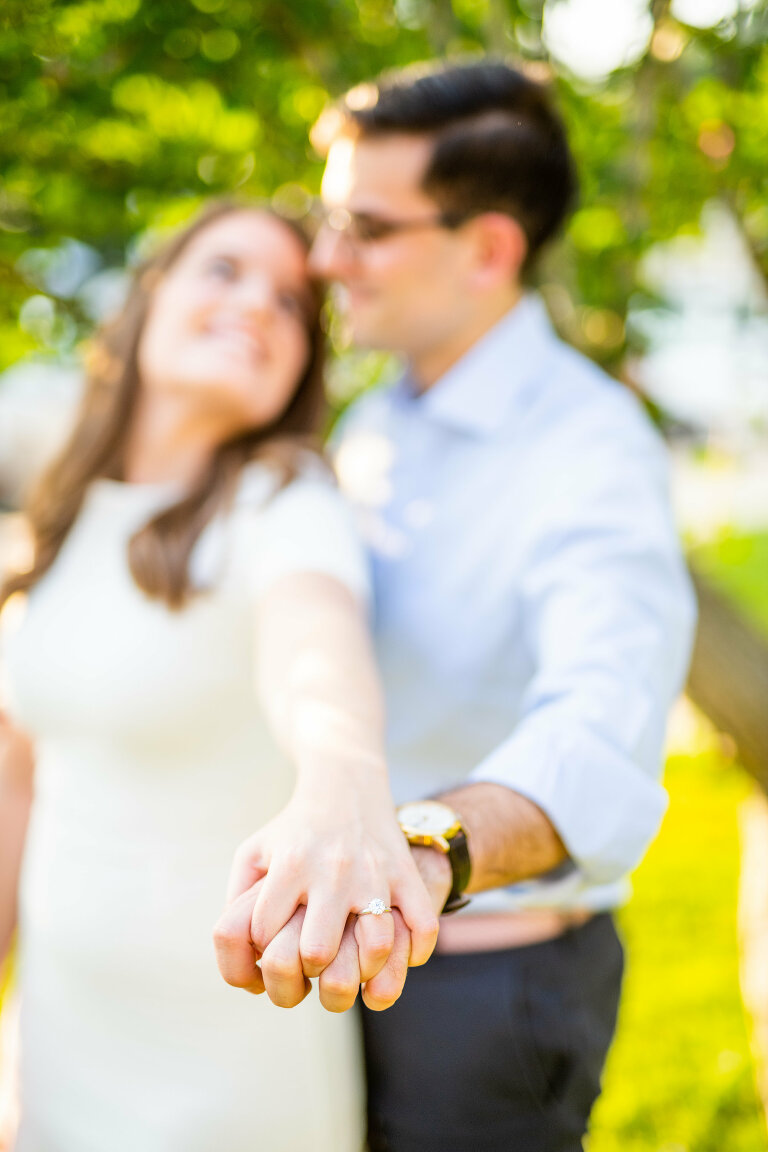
(406, 289)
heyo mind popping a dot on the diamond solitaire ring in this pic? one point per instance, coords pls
(375, 908)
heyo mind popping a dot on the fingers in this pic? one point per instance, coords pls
(284, 980)
(340, 981)
(235, 954)
(382, 991)
(375, 936)
(420, 918)
(278, 900)
(322, 932)
(247, 868)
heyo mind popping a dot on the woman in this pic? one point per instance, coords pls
(193, 660)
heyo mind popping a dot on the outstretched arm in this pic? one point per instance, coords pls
(337, 844)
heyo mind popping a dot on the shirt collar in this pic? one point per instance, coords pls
(481, 390)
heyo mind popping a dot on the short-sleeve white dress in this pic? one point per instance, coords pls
(153, 762)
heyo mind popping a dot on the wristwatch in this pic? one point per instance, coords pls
(435, 825)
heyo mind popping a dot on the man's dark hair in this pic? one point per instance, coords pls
(499, 144)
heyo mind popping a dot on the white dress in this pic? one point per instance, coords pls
(153, 763)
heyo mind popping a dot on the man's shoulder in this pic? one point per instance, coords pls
(579, 403)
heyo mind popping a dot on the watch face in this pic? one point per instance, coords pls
(427, 816)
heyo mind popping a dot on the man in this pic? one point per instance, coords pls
(533, 616)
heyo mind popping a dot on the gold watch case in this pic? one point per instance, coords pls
(429, 823)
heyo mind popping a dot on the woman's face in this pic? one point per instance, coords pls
(227, 328)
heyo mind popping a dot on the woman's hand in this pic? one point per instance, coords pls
(16, 784)
(329, 854)
(281, 969)
(336, 845)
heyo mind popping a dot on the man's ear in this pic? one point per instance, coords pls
(500, 248)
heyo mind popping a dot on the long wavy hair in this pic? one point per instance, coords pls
(159, 552)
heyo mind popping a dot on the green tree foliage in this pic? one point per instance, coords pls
(118, 115)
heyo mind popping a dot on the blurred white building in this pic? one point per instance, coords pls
(707, 345)
(37, 406)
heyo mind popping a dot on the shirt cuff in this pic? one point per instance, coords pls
(605, 809)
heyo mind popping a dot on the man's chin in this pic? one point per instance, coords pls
(368, 334)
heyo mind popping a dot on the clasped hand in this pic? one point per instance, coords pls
(295, 889)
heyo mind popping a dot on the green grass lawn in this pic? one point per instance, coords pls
(738, 565)
(680, 1076)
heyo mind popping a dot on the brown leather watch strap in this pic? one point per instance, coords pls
(461, 869)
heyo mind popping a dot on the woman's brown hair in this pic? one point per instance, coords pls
(158, 554)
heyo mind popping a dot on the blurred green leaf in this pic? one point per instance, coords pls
(112, 109)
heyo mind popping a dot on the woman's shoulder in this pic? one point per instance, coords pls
(262, 482)
(304, 525)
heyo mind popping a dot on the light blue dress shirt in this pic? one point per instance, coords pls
(534, 616)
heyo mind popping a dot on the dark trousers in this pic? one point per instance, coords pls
(496, 1051)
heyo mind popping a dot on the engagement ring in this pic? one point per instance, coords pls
(375, 908)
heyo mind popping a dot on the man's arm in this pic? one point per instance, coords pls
(608, 617)
(510, 838)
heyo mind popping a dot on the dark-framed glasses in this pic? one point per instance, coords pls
(366, 228)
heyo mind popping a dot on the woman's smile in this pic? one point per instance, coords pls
(242, 338)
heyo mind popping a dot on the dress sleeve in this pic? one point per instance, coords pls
(306, 527)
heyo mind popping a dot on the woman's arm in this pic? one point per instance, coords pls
(16, 777)
(337, 844)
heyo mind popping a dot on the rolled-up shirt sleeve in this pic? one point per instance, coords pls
(608, 616)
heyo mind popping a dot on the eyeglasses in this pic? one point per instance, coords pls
(363, 228)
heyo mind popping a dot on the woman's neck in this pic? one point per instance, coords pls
(167, 442)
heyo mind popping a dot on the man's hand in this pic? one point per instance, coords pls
(294, 891)
(339, 982)
(435, 871)
(280, 971)
(236, 955)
